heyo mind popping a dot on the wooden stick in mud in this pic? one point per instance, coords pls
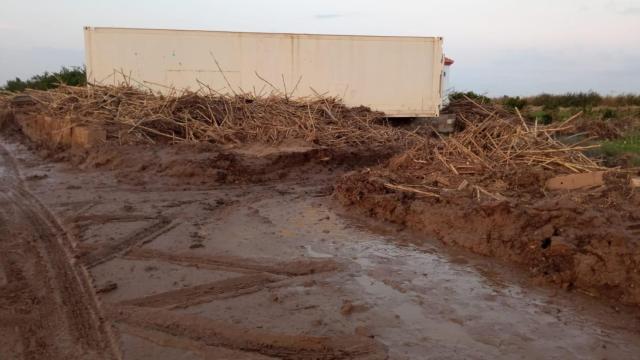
(410, 190)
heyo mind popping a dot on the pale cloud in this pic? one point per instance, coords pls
(624, 7)
(328, 16)
(500, 46)
(631, 11)
(334, 15)
(24, 63)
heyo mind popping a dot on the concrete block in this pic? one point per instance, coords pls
(444, 124)
(576, 181)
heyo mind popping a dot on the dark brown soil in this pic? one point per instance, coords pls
(225, 252)
(583, 240)
(206, 163)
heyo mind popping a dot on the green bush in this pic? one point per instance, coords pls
(514, 102)
(543, 117)
(621, 100)
(583, 100)
(628, 147)
(471, 95)
(74, 76)
(609, 113)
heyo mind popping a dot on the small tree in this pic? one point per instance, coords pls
(15, 85)
(471, 95)
(514, 102)
(73, 76)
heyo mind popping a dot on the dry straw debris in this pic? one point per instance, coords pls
(500, 142)
(492, 145)
(134, 115)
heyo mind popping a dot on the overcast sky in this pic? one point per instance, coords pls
(500, 47)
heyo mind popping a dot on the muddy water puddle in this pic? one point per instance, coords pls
(430, 301)
(256, 271)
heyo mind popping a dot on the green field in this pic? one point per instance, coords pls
(626, 148)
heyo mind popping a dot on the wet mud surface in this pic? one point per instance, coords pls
(97, 265)
(584, 240)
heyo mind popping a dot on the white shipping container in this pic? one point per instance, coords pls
(398, 75)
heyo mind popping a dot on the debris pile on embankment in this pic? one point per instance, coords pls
(216, 137)
(504, 187)
(131, 115)
(490, 156)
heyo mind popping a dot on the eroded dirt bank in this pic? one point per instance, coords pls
(504, 188)
(584, 240)
(273, 270)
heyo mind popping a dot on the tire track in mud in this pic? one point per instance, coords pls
(634, 229)
(18, 295)
(58, 291)
(108, 218)
(143, 236)
(67, 307)
(205, 351)
(238, 264)
(199, 294)
(221, 334)
(80, 221)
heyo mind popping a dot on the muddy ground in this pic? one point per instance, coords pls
(582, 240)
(105, 257)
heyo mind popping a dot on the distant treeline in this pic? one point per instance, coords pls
(75, 76)
(550, 101)
(584, 100)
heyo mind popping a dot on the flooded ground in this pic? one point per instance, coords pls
(271, 270)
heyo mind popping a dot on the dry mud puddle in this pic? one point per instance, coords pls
(264, 271)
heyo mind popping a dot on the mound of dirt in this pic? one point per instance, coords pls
(485, 189)
(199, 139)
(204, 164)
(7, 119)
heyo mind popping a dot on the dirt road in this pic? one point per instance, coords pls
(49, 308)
(92, 267)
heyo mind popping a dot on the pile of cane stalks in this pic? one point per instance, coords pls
(492, 145)
(490, 142)
(132, 115)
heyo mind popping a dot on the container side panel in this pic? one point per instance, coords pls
(382, 74)
(266, 63)
(397, 75)
(88, 51)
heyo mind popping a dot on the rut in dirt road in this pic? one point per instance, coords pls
(52, 296)
(199, 294)
(214, 333)
(237, 264)
(141, 237)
